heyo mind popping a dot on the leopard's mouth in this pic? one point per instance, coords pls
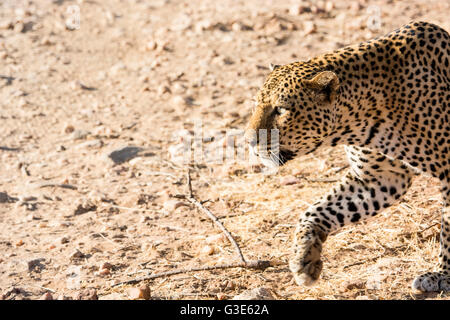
(286, 155)
(272, 159)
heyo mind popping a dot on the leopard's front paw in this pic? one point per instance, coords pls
(306, 265)
(306, 275)
(432, 282)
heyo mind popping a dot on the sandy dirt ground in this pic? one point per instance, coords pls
(95, 112)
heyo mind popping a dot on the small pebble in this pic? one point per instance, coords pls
(27, 198)
(46, 296)
(143, 292)
(179, 101)
(298, 9)
(4, 197)
(309, 27)
(79, 134)
(289, 180)
(354, 284)
(217, 238)
(106, 265)
(151, 45)
(329, 5)
(77, 254)
(87, 294)
(69, 128)
(172, 205)
(221, 296)
(208, 250)
(203, 25)
(228, 285)
(104, 272)
(134, 293)
(46, 41)
(124, 154)
(239, 26)
(84, 206)
(35, 264)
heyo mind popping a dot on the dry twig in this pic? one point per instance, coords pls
(257, 264)
(60, 185)
(254, 264)
(202, 208)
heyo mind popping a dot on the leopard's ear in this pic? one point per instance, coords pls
(325, 84)
(273, 66)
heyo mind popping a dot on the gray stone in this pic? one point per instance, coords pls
(125, 154)
(35, 264)
(3, 197)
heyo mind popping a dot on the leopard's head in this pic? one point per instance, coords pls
(298, 102)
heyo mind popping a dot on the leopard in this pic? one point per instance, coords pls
(387, 101)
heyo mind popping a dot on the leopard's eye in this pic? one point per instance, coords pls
(280, 110)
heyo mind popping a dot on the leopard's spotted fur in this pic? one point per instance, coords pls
(388, 101)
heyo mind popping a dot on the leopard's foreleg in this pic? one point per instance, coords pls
(373, 183)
